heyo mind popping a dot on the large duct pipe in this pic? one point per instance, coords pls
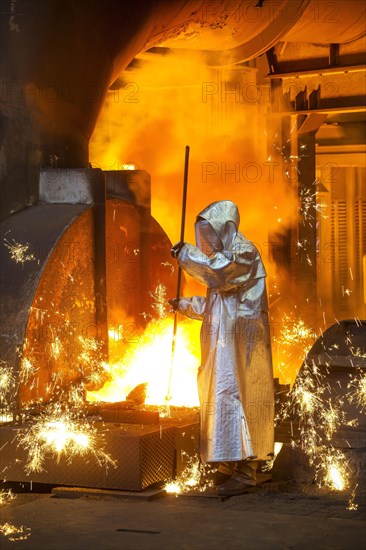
(62, 56)
(303, 21)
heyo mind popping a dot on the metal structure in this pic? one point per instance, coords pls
(339, 355)
(93, 248)
(144, 455)
(93, 254)
(52, 98)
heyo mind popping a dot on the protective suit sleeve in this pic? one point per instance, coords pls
(221, 272)
(192, 307)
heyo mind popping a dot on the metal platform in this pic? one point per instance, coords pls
(144, 455)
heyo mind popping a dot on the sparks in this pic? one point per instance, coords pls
(56, 347)
(59, 432)
(332, 416)
(170, 266)
(351, 502)
(93, 369)
(15, 533)
(335, 470)
(319, 417)
(27, 370)
(307, 203)
(189, 478)
(7, 381)
(293, 342)
(321, 209)
(357, 390)
(19, 251)
(296, 331)
(6, 496)
(309, 206)
(7, 391)
(160, 301)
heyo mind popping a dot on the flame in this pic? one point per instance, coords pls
(115, 333)
(150, 361)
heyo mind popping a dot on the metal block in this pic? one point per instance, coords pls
(126, 416)
(144, 455)
(44, 228)
(72, 186)
(131, 185)
(78, 492)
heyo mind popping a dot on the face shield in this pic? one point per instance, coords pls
(207, 239)
(229, 235)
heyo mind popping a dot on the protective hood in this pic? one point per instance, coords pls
(217, 226)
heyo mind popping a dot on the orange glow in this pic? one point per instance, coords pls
(234, 154)
(178, 100)
(292, 338)
(149, 360)
(220, 113)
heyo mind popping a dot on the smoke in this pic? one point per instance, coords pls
(166, 102)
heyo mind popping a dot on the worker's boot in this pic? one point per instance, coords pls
(243, 478)
(223, 473)
(217, 473)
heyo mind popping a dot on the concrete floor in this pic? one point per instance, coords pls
(270, 518)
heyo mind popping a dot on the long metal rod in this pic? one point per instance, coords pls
(179, 279)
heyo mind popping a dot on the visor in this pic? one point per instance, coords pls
(207, 239)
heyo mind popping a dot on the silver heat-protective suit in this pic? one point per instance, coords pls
(235, 379)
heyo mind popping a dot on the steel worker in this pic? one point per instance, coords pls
(235, 379)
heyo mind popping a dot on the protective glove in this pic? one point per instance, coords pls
(174, 302)
(176, 249)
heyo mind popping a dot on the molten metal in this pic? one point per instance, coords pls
(148, 361)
